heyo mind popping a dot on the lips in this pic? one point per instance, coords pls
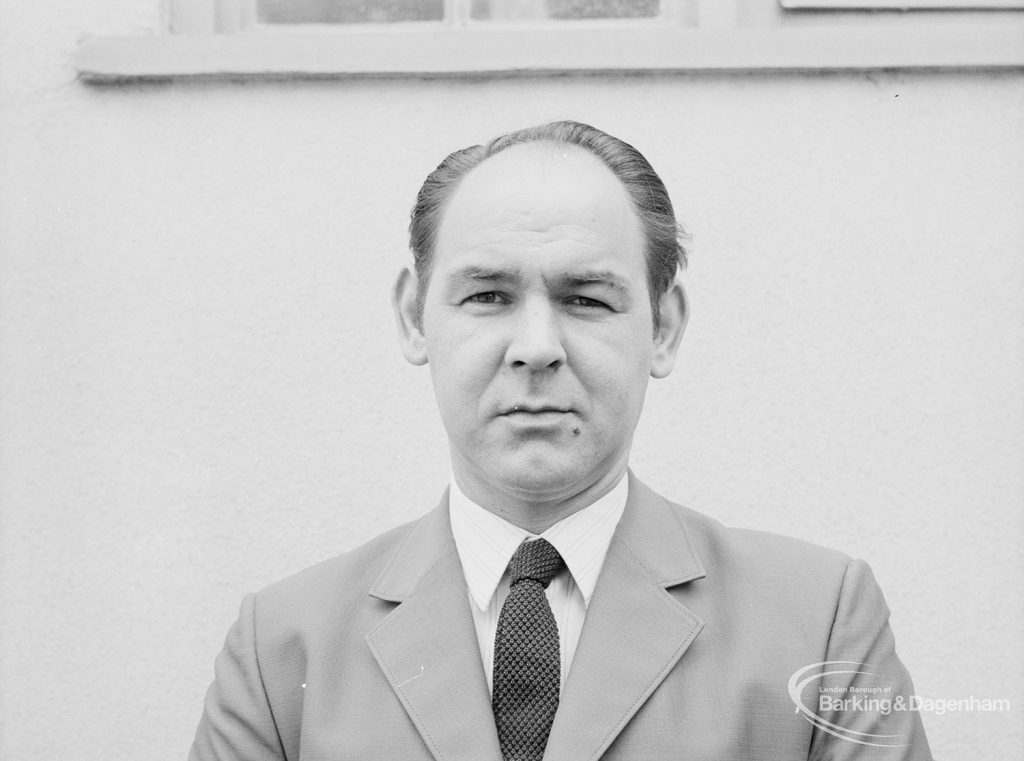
(534, 409)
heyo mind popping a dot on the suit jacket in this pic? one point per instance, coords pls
(693, 637)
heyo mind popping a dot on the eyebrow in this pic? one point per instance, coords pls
(475, 275)
(566, 281)
(605, 278)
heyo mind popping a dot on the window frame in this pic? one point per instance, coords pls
(903, 5)
(217, 39)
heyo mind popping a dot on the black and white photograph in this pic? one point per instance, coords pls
(512, 380)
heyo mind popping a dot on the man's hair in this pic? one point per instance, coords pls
(663, 235)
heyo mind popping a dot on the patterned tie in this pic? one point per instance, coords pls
(527, 664)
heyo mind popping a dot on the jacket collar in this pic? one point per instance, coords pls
(652, 531)
(428, 541)
(649, 528)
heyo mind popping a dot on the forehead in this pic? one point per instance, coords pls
(546, 200)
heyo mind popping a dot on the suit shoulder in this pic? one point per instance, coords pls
(760, 550)
(802, 582)
(351, 572)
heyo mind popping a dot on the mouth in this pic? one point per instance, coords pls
(536, 409)
(540, 419)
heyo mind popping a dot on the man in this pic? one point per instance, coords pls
(544, 295)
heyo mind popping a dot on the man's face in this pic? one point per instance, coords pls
(537, 325)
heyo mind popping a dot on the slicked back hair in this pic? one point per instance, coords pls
(663, 235)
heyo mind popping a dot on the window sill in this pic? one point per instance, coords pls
(506, 52)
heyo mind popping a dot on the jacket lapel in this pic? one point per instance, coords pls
(635, 631)
(427, 646)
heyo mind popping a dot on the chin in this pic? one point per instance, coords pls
(541, 477)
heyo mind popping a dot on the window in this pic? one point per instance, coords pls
(409, 38)
(347, 11)
(398, 11)
(203, 16)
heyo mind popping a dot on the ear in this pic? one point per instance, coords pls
(675, 312)
(410, 326)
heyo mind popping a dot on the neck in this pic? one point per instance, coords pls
(537, 513)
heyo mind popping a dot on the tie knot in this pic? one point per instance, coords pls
(536, 560)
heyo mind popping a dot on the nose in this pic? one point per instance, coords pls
(536, 342)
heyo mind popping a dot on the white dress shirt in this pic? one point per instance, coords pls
(486, 544)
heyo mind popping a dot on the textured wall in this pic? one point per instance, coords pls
(202, 392)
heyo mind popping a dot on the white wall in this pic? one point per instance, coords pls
(202, 393)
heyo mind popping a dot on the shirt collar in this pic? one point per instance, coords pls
(486, 543)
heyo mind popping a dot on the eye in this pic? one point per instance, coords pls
(486, 297)
(586, 302)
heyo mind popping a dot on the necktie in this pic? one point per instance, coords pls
(527, 664)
